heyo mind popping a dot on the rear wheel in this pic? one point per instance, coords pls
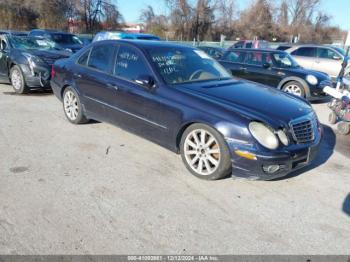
(205, 152)
(295, 88)
(17, 80)
(72, 107)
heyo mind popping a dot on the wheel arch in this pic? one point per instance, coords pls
(297, 79)
(222, 127)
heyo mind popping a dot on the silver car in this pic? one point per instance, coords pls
(327, 59)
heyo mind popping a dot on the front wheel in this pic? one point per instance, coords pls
(17, 80)
(294, 88)
(205, 152)
(72, 107)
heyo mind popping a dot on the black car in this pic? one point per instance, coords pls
(277, 69)
(26, 61)
(68, 41)
(214, 51)
(184, 100)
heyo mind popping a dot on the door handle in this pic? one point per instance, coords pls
(281, 73)
(243, 68)
(77, 75)
(113, 86)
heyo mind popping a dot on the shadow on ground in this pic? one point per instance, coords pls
(326, 151)
(322, 100)
(31, 93)
(346, 205)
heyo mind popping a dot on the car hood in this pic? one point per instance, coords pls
(52, 54)
(253, 101)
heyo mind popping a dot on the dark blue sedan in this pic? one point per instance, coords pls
(180, 98)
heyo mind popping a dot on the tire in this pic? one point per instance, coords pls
(209, 154)
(72, 107)
(343, 128)
(295, 88)
(332, 118)
(17, 80)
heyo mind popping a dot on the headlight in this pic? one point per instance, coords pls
(312, 79)
(264, 135)
(283, 137)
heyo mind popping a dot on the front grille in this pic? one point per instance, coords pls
(303, 130)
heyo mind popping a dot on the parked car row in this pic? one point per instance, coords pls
(179, 97)
(277, 69)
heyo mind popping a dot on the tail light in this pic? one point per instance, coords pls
(53, 72)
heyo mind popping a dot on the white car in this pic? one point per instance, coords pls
(327, 59)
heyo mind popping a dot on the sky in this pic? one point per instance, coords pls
(338, 9)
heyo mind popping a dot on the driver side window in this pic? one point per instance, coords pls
(130, 64)
(326, 53)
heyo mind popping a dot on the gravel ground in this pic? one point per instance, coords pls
(96, 189)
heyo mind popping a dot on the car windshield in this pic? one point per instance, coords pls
(66, 39)
(23, 42)
(284, 60)
(184, 65)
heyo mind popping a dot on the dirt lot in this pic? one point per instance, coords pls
(97, 189)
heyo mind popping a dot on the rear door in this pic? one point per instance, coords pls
(254, 67)
(305, 56)
(233, 61)
(328, 61)
(93, 77)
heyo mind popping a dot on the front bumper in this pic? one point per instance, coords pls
(39, 77)
(316, 92)
(288, 161)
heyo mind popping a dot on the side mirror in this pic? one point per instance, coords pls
(146, 81)
(266, 65)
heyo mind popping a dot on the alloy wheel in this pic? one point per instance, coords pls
(293, 89)
(16, 79)
(71, 105)
(202, 152)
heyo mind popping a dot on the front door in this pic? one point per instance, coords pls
(140, 109)
(328, 61)
(305, 56)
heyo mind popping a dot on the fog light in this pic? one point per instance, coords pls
(271, 169)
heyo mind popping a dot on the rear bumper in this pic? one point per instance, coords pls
(56, 89)
(287, 161)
